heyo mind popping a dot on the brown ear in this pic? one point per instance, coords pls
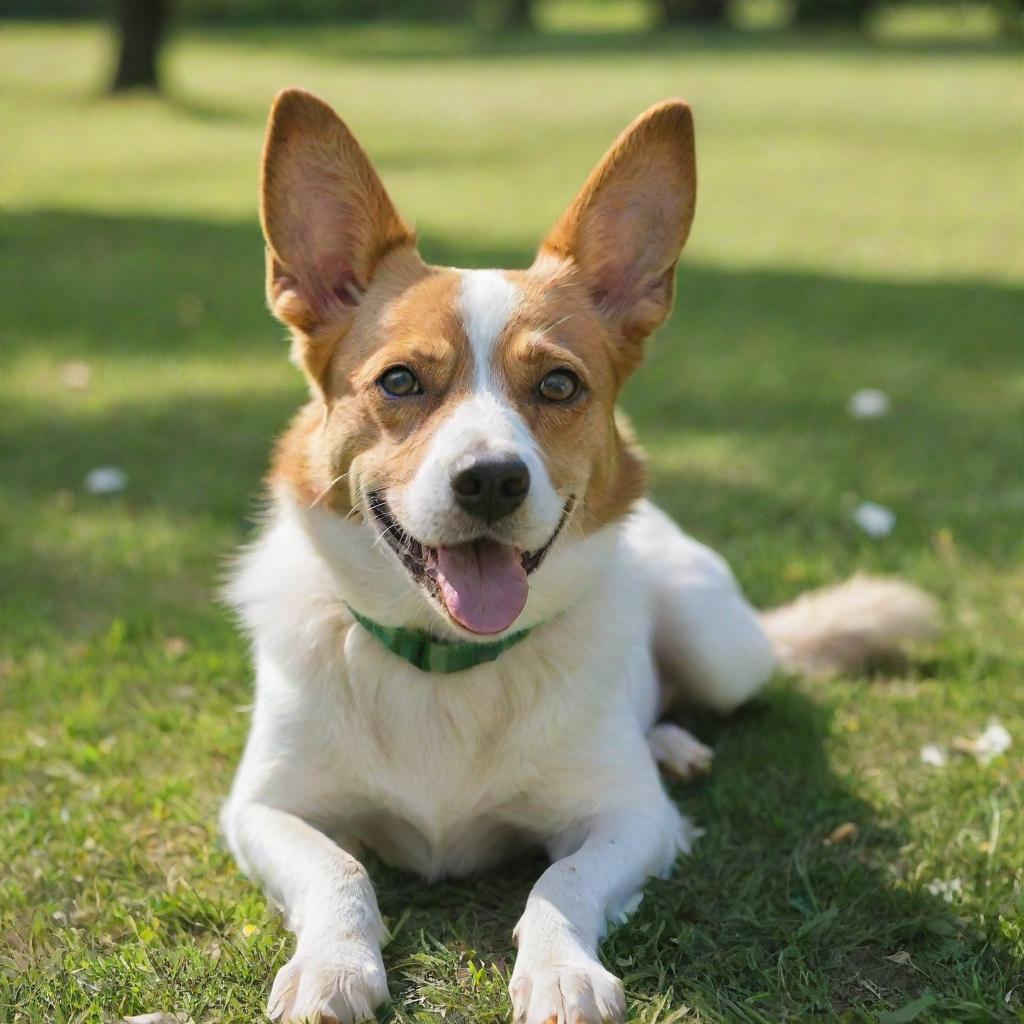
(627, 226)
(326, 217)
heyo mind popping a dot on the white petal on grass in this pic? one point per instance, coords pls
(869, 404)
(933, 755)
(995, 740)
(874, 519)
(949, 889)
(106, 480)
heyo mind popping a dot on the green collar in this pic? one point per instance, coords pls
(431, 655)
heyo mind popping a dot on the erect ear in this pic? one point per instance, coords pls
(326, 217)
(626, 227)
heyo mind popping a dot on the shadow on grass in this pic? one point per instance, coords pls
(766, 920)
(742, 401)
(755, 362)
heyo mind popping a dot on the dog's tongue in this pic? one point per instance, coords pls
(483, 584)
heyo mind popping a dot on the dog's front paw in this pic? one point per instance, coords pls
(578, 992)
(339, 983)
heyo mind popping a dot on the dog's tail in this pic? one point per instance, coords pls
(841, 628)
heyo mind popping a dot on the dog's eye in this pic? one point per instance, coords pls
(400, 381)
(559, 386)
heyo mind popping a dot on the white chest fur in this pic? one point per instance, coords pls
(440, 774)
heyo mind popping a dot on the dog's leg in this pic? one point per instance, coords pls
(557, 976)
(707, 637)
(679, 751)
(336, 973)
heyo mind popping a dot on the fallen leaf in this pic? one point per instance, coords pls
(902, 958)
(842, 834)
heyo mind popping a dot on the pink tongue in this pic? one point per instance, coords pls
(483, 585)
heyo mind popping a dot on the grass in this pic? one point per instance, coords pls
(859, 224)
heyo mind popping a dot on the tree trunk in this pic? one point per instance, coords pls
(831, 12)
(141, 26)
(693, 12)
(516, 14)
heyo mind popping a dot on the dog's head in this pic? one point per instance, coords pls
(467, 417)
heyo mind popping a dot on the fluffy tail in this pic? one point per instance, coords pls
(841, 628)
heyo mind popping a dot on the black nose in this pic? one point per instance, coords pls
(490, 488)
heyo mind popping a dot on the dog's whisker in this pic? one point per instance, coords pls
(323, 494)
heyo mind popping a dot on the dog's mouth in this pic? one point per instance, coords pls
(482, 584)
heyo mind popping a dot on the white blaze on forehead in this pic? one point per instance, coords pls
(484, 420)
(488, 300)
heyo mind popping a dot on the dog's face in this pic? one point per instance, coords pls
(467, 417)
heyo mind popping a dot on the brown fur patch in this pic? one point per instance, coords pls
(290, 467)
(357, 437)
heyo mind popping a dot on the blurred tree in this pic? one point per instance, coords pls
(517, 14)
(836, 12)
(140, 25)
(383, 10)
(690, 12)
(503, 14)
(1011, 18)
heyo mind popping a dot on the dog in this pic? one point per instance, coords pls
(466, 617)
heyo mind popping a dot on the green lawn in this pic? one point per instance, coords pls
(860, 223)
